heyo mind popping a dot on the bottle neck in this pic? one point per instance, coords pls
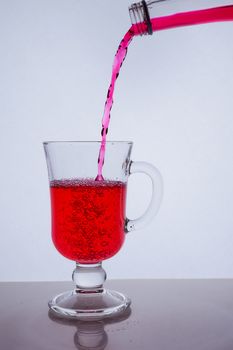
(140, 16)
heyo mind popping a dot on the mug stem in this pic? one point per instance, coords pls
(89, 277)
(89, 301)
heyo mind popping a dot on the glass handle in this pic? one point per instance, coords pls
(156, 197)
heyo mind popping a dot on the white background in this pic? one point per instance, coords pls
(173, 99)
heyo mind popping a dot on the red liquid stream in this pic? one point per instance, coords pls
(118, 61)
(88, 218)
(218, 14)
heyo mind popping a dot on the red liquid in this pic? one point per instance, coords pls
(118, 61)
(218, 14)
(88, 218)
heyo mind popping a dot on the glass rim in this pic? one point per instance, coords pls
(88, 142)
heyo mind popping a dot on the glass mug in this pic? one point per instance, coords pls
(89, 221)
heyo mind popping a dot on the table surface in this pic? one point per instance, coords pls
(165, 314)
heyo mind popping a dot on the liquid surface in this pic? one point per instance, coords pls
(88, 218)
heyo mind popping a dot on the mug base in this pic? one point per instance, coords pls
(89, 305)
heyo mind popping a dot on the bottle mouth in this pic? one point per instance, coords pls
(139, 15)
